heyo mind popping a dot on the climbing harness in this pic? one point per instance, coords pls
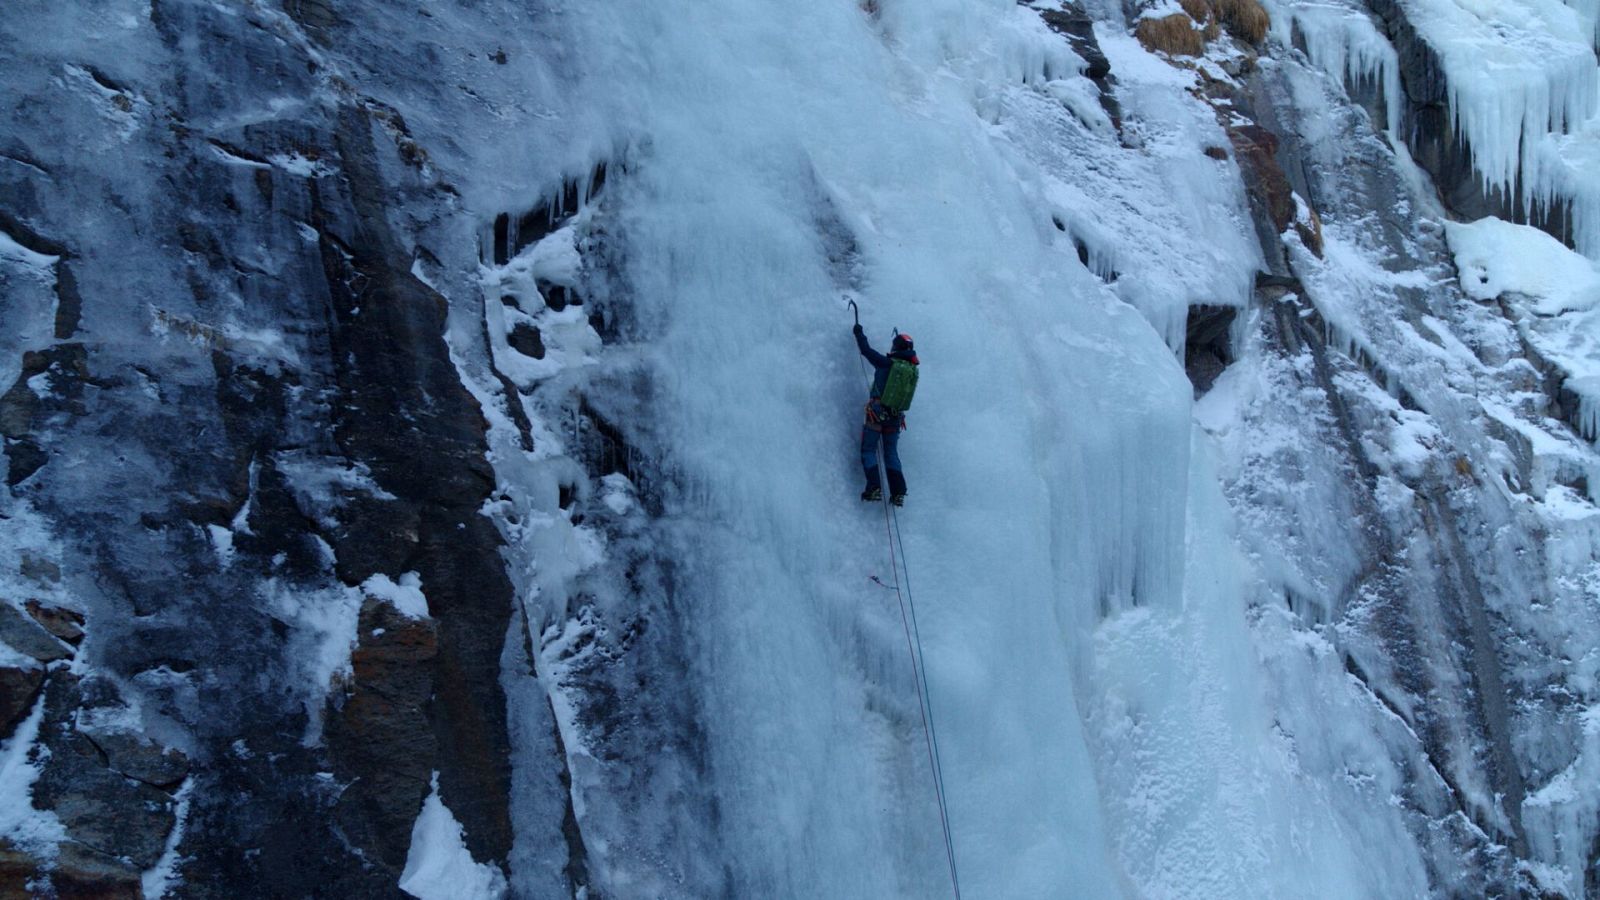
(908, 620)
(883, 420)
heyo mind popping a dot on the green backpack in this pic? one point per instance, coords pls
(899, 386)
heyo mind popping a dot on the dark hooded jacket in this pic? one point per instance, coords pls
(880, 362)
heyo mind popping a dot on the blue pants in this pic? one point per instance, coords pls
(891, 459)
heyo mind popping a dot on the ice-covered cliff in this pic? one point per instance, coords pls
(430, 449)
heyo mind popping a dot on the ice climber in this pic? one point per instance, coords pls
(893, 382)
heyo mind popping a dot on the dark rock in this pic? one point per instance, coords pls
(40, 569)
(374, 535)
(16, 870)
(1217, 153)
(27, 636)
(140, 758)
(69, 303)
(1208, 348)
(1273, 207)
(525, 339)
(77, 873)
(1256, 149)
(380, 734)
(555, 296)
(316, 15)
(1074, 23)
(26, 457)
(99, 807)
(19, 688)
(31, 239)
(1309, 229)
(59, 621)
(22, 411)
(81, 872)
(404, 414)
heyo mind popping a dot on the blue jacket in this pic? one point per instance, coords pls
(880, 362)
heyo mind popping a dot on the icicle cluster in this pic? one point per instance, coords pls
(1342, 40)
(1523, 95)
(1521, 81)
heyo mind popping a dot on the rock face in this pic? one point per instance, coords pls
(21, 632)
(114, 816)
(110, 789)
(237, 406)
(63, 623)
(380, 735)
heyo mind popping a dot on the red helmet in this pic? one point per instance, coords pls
(902, 341)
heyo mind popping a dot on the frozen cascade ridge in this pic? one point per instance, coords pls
(431, 449)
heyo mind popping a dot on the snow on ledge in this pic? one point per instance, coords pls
(1496, 257)
(163, 876)
(33, 830)
(1555, 292)
(405, 595)
(439, 866)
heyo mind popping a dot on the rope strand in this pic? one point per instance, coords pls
(927, 700)
(908, 621)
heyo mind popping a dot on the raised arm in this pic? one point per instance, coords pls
(877, 359)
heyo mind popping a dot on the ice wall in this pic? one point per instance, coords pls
(1104, 729)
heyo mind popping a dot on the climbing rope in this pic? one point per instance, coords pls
(926, 698)
(908, 621)
(919, 671)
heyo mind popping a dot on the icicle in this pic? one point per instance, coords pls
(1516, 74)
(1519, 78)
(1588, 391)
(1566, 169)
(1346, 44)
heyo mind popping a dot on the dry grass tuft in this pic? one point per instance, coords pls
(1174, 35)
(1198, 10)
(1246, 20)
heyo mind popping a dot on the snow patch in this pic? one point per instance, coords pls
(36, 831)
(323, 625)
(439, 866)
(162, 876)
(10, 249)
(618, 494)
(221, 544)
(1555, 294)
(1496, 257)
(405, 595)
(295, 164)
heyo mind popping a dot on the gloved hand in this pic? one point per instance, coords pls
(857, 329)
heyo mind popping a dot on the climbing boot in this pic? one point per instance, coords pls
(872, 495)
(898, 499)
